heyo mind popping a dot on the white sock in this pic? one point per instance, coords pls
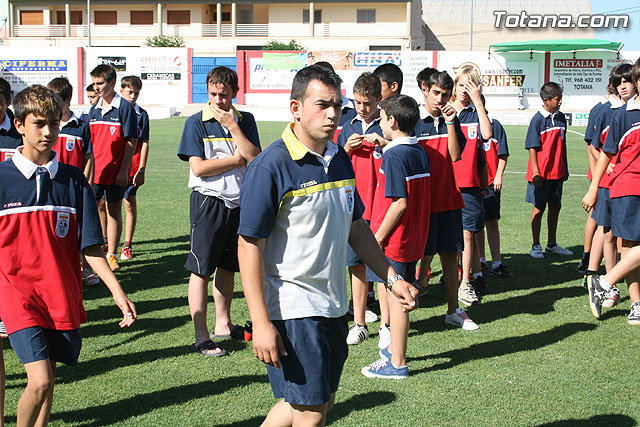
(476, 275)
(496, 264)
(483, 259)
(604, 284)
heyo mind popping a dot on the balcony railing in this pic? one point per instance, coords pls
(275, 29)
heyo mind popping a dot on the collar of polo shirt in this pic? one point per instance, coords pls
(28, 168)
(297, 150)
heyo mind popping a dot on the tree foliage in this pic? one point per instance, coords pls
(277, 45)
(164, 41)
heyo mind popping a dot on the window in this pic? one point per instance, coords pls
(106, 17)
(178, 17)
(31, 17)
(226, 17)
(366, 16)
(141, 17)
(317, 16)
(76, 17)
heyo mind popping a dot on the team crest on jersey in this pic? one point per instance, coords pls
(377, 152)
(113, 130)
(350, 201)
(486, 146)
(62, 225)
(71, 143)
(473, 132)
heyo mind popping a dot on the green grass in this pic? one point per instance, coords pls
(539, 357)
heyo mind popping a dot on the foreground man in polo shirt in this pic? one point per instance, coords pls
(299, 210)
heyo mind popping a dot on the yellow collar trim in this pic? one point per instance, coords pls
(297, 150)
(207, 114)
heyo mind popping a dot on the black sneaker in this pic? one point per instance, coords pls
(587, 274)
(596, 295)
(371, 300)
(483, 266)
(501, 271)
(480, 285)
(583, 266)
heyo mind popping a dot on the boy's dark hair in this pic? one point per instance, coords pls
(326, 65)
(312, 72)
(423, 76)
(5, 90)
(635, 72)
(61, 87)
(132, 82)
(37, 100)
(223, 75)
(610, 89)
(550, 90)
(622, 71)
(106, 71)
(441, 79)
(404, 109)
(90, 88)
(390, 74)
(368, 84)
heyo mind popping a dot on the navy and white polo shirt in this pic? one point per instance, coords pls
(203, 136)
(303, 204)
(74, 141)
(109, 131)
(47, 214)
(547, 135)
(10, 139)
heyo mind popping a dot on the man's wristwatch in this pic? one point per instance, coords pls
(141, 170)
(392, 280)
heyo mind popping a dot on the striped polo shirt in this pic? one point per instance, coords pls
(303, 204)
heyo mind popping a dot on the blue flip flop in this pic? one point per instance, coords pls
(208, 345)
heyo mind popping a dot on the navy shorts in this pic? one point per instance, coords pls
(625, 217)
(491, 205)
(112, 193)
(130, 190)
(316, 351)
(37, 343)
(549, 193)
(445, 232)
(602, 210)
(214, 235)
(473, 211)
(406, 269)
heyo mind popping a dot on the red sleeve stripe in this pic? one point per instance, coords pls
(49, 208)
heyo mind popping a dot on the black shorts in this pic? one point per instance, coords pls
(37, 343)
(473, 211)
(130, 190)
(112, 193)
(214, 235)
(445, 233)
(550, 193)
(491, 205)
(602, 210)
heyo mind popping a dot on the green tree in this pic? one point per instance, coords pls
(164, 41)
(276, 45)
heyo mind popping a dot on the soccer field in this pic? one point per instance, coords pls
(539, 357)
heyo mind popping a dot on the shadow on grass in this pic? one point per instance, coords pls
(536, 303)
(504, 346)
(618, 420)
(359, 402)
(140, 404)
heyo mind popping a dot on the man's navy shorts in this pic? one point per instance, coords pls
(37, 343)
(445, 233)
